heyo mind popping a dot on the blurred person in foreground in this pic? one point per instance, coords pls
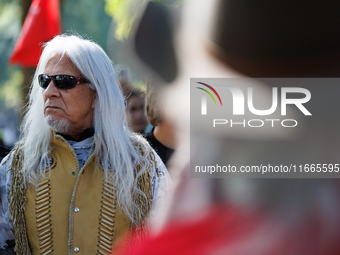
(78, 179)
(135, 111)
(231, 39)
(162, 136)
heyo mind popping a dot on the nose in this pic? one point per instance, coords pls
(51, 90)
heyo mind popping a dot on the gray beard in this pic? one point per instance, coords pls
(61, 126)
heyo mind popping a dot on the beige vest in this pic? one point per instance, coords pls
(73, 210)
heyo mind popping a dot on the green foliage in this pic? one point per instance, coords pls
(126, 12)
(87, 18)
(10, 14)
(11, 77)
(123, 15)
(11, 89)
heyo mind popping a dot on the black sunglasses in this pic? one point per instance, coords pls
(61, 81)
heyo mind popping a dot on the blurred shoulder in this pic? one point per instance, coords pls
(140, 144)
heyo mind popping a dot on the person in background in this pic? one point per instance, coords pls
(135, 111)
(162, 136)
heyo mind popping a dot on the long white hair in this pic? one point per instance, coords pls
(117, 145)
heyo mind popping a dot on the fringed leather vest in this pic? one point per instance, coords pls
(73, 210)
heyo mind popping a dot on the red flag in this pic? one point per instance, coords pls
(42, 23)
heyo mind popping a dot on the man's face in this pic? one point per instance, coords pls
(135, 114)
(69, 111)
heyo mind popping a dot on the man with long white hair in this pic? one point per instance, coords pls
(79, 177)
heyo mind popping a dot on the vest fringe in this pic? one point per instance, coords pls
(17, 204)
(143, 200)
(18, 199)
